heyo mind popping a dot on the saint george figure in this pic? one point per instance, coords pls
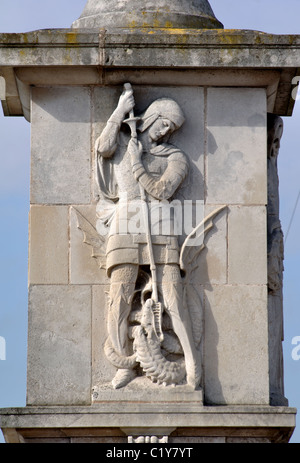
(124, 166)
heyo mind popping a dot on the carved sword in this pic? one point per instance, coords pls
(156, 306)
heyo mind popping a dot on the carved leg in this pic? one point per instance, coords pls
(172, 292)
(123, 279)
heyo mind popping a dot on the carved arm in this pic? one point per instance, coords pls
(165, 186)
(107, 143)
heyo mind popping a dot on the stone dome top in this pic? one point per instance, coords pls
(182, 14)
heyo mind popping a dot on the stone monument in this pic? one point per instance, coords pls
(156, 250)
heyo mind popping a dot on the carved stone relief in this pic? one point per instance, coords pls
(154, 313)
(148, 440)
(275, 265)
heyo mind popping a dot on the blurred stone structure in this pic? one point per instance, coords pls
(220, 150)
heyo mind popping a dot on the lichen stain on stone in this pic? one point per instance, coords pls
(72, 38)
(67, 56)
(132, 25)
(22, 53)
(226, 36)
(166, 30)
(293, 39)
(25, 38)
(182, 39)
(154, 23)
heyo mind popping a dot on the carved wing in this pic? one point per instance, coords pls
(189, 253)
(193, 303)
(188, 263)
(92, 238)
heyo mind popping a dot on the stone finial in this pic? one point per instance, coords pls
(185, 14)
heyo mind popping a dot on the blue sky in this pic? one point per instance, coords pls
(25, 15)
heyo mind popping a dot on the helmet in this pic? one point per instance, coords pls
(163, 107)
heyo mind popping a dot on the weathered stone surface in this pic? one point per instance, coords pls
(235, 349)
(59, 346)
(247, 245)
(236, 166)
(196, 440)
(48, 245)
(154, 14)
(61, 152)
(248, 440)
(230, 48)
(98, 440)
(2, 88)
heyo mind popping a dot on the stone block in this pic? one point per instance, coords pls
(236, 146)
(59, 347)
(247, 245)
(61, 146)
(235, 345)
(48, 245)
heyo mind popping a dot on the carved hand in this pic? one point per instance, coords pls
(126, 102)
(135, 149)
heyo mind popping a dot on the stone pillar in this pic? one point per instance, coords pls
(109, 360)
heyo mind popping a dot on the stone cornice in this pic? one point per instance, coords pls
(148, 49)
(276, 50)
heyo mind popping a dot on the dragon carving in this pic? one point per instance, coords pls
(149, 328)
